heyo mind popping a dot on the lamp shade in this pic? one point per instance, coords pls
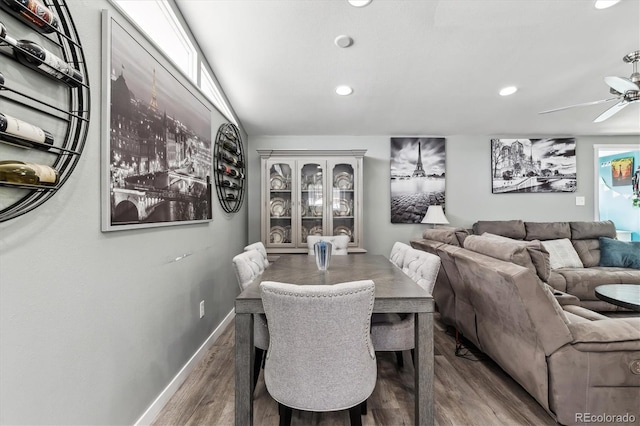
(435, 215)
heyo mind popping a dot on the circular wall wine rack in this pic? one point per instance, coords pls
(70, 112)
(229, 167)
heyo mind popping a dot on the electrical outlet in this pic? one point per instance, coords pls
(201, 309)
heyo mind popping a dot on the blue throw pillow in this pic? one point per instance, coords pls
(624, 254)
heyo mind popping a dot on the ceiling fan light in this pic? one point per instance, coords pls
(604, 4)
(510, 90)
(344, 90)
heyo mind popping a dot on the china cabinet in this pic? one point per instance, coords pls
(310, 192)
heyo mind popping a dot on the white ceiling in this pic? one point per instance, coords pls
(419, 67)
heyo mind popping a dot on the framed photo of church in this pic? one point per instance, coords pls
(157, 151)
(533, 165)
(417, 177)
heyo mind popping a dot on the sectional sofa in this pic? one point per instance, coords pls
(575, 362)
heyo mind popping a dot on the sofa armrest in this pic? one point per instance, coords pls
(565, 298)
(606, 335)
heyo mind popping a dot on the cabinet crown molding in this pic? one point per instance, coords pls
(266, 153)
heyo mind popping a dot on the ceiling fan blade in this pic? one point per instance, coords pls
(620, 84)
(611, 111)
(582, 104)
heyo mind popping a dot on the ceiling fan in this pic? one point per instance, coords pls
(627, 90)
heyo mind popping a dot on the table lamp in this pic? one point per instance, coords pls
(435, 216)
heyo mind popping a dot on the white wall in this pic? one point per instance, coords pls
(468, 185)
(94, 325)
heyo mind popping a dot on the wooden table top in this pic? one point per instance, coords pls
(395, 291)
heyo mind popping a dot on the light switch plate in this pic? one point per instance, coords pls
(579, 201)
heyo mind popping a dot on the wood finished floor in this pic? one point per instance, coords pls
(468, 392)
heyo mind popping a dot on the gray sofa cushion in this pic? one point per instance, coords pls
(507, 228)
(443, 235)
(591, 230)
(581, 282)
(547, 230)
(539, 255)
(501, 249)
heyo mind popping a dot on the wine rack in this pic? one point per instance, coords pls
(71, 112)
(229, 168)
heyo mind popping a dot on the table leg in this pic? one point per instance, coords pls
(243, 368)
(424, 369)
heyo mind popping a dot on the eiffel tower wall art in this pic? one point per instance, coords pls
(417, 177)
(157, 149)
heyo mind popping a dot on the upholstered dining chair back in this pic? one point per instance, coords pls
(339, 243)
(422, 267)
(261, 248)
(320, 357)
(398, 252)
(248, 265)
(395, 332)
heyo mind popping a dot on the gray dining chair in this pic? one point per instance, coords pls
(320, 356)
(339, 243)
(261, 248)
(248, 266)
(395, 332)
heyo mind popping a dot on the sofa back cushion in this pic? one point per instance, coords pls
(547, 230)
(507, 228)
(530, 254)
(585, 235)
(443, 235)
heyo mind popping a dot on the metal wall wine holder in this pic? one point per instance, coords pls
(230, 188)
(75, 117)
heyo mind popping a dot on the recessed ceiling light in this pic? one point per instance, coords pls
(508, 91)
(603, 4)
(343, 41)
(359, 3)
(344, 90)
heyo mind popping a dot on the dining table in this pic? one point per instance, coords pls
(394, 292)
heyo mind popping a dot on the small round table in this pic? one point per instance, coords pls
(625, 295)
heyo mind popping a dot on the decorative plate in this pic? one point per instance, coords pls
(343, 180)
(277, 181)
(343, 208)
(316, 230)
(277, 207)
(278, 234)
(317, 210)
(342, 230)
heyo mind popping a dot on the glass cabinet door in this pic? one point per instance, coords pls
(280, 204)
(343, 217)
(312, 201)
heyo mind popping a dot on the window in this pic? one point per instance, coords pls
(157, 19)
(210, 89)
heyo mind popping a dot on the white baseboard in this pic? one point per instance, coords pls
(162, 399)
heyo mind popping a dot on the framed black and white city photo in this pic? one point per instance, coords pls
(417, 177)
(156, 148)
(533, 165)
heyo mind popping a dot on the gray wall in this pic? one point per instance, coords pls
(468, 186)
(95, 325)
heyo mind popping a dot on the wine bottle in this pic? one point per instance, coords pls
(230, 146)
(229, 171)
(14, 171)
(21, 133)
(40, 59)
(230, 185)
(229, 159)
(35, 13)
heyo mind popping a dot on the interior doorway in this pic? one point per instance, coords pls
(616, 194)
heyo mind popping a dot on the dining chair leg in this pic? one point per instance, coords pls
(413, 357)
(400, 359)
(354, 415)
(285, 415)
(256, 365)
